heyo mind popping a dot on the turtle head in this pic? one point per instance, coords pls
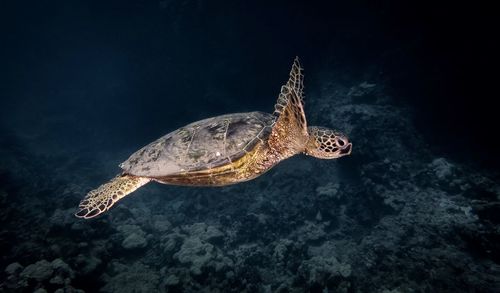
(324, 143)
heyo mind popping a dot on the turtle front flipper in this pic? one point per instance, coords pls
(289, 133)
(295, 83)
(103, 198)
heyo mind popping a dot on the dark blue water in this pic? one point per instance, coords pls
(414, 208)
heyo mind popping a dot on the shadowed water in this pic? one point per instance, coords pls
(414, 208)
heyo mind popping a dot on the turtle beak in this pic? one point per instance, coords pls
(344, 145)
(346, 150)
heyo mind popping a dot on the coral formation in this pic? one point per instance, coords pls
(394, 217)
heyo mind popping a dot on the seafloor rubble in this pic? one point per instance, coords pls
(391, 218)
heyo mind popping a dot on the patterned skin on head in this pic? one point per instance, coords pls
(325, 143)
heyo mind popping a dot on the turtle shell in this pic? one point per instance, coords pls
(201, 145)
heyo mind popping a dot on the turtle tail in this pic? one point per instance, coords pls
(99, 200)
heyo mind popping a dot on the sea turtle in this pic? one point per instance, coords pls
(223, 150)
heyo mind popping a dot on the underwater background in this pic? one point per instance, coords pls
(414, 208)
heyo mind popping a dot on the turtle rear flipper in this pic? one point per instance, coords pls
(101, 199)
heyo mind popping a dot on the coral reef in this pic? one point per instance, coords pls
(393, 217)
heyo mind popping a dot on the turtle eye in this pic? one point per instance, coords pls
(340, 142)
